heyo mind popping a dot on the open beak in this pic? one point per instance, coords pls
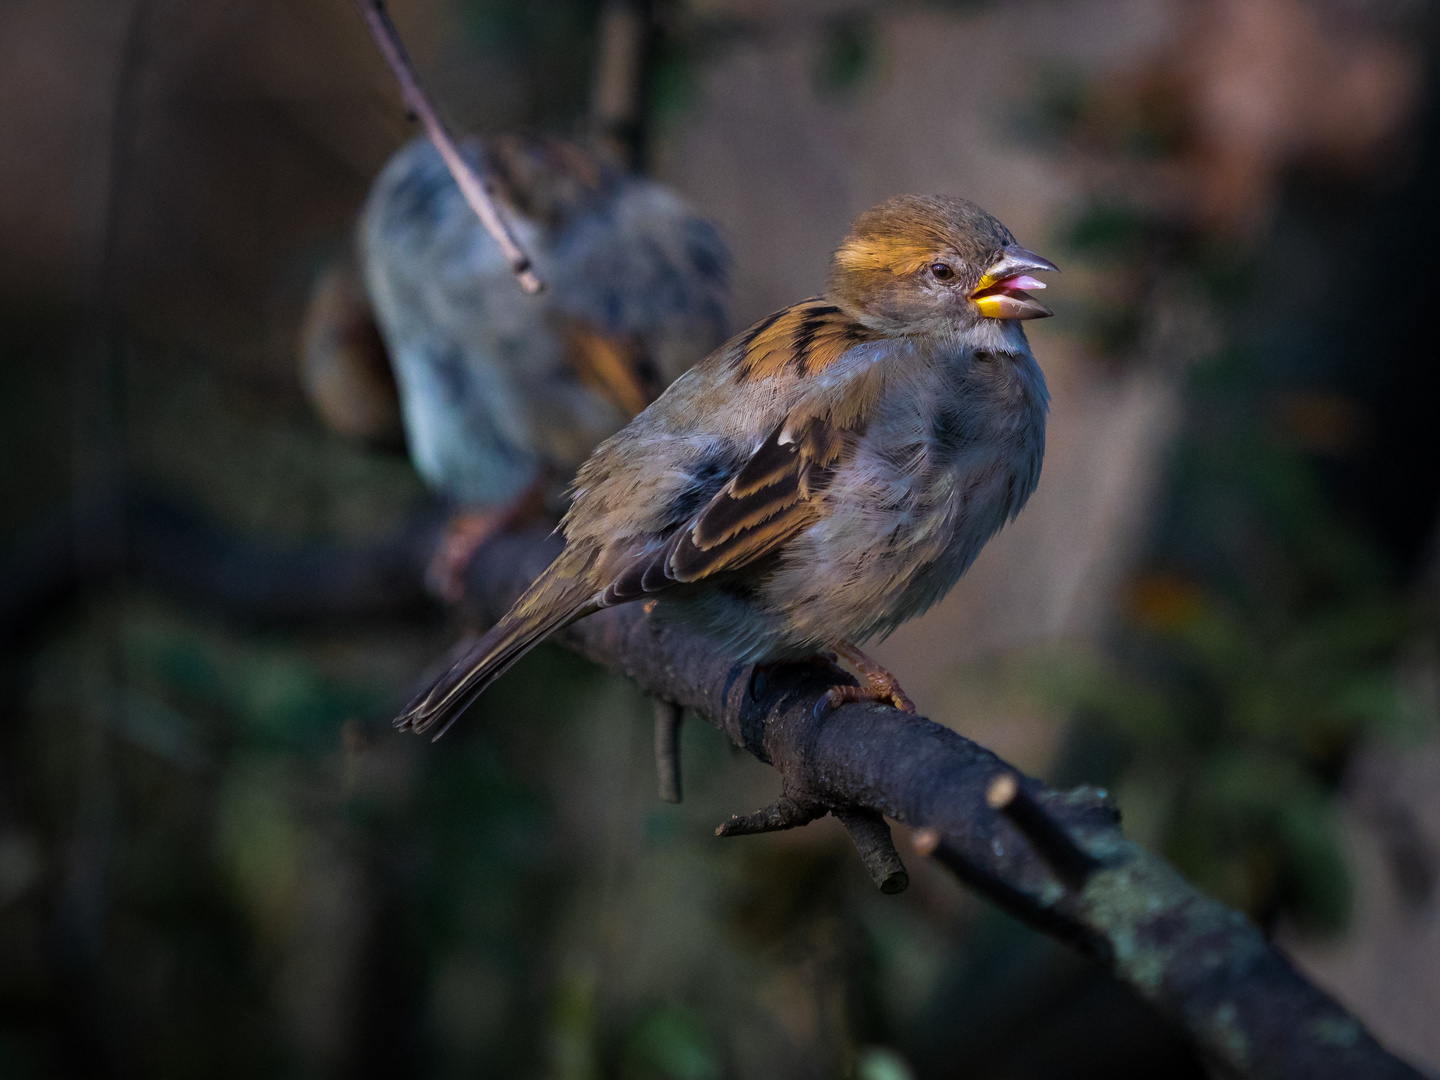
(1001, 292)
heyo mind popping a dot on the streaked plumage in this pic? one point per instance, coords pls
(497, 385)
(822, 477)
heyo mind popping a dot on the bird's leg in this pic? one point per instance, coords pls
(880, 685)
(467, 532)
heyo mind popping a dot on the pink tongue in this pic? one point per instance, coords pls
(1020, 281)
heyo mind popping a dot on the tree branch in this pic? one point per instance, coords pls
(1057, 860)
(465, 174)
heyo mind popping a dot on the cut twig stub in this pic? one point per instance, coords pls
(668, 717)
(926, 841)
(1071, 863)
(783, 813)
(1002, 791)
(873, 841)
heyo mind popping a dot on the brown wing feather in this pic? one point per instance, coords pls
(613, 366)
(804, 339)
(774, 496)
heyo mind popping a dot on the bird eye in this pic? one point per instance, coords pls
(942, 271)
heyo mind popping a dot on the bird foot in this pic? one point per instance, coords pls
(467, 532)
(464, 535)
(879, 685)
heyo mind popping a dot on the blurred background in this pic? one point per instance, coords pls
(216, 859)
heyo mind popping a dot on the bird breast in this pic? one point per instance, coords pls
(951, 453)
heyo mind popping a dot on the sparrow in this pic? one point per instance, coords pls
(501, 391)
(820, 478)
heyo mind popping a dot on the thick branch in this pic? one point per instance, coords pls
(169, 546)
(419, 104)
(1058, 860)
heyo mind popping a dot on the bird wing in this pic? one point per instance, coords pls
(615, 366)
(802, 340)
(775, 495)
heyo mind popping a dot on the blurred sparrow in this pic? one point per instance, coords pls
(822, 477)
(501, 391)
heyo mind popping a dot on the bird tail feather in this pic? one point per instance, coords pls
(546, 606)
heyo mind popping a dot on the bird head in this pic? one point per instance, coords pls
(931, 264)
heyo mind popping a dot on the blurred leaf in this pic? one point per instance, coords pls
(882, 1063)
(261, 842)
(572, 1035)
(668, 1044)
(1060, 102)
(1109, 230)
(849, 54)
(673, 82)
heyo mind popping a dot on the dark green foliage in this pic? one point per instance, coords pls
(1109, 231)
(548, 46)
(673, 83)
(1258, 649)
(668, 1043)
(850, 51)
(1265, 637)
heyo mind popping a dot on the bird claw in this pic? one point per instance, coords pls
(879, 685)
(464, 535)
(885, 690)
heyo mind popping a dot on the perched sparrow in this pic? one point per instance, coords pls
(501, 390)
(822, 477)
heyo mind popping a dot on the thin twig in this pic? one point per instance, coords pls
(382, 29)
(784, 813)
(668, 717)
